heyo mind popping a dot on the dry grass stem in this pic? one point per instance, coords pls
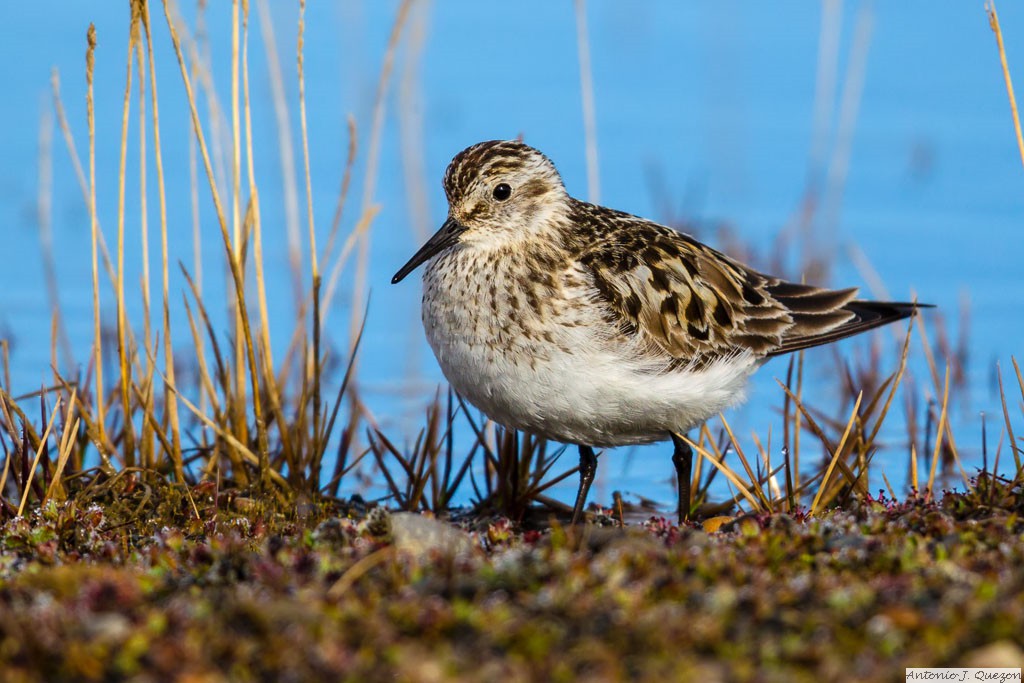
(993, 19)
(720, 465)
(825, 480)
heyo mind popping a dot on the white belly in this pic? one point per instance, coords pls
(568, 378)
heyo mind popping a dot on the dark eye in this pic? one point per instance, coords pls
(502, 191)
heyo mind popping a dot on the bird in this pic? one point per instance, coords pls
(590, 326)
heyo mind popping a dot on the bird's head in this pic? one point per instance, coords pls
(499, 192)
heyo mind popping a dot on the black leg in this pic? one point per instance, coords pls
(588, 467)
(682, 458)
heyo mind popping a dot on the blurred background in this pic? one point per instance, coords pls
(851, 143)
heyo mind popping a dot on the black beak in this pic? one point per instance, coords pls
(442, 239)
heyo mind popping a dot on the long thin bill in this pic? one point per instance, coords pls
(442, 239)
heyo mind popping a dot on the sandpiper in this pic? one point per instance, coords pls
(590, 326)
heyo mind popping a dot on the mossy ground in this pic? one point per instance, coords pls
(331, 592)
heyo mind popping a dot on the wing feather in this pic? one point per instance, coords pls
(695, 304)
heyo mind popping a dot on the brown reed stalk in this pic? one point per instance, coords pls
(751, 477)
(170, 398)
(272, 476)
(238, 399)
(76, 163)
(272, 387)
(836, 456)
(314, 363)
(64, 450)
(797, 429)
(140, 64)
(128, 433)
(1014, 449)
(938, 437)
(221, 414)
(233, 262)
(27, 483)
(146, 441)
(97, 352)
(933, 369)
(993, 20)
(913, 468)
(727, 471)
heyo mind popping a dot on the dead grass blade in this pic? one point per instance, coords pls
(837, 454)
(993, 19)
(727, 472)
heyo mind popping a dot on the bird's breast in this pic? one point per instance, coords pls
(492, 310)
(533, 348)
(508, 335)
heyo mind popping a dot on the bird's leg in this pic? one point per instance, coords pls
(588, 467)
(682, 458)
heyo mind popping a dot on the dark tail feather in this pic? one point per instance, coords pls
(867, 315)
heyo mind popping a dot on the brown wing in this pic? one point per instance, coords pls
(697, 304)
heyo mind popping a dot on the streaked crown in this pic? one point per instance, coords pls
(494, 159)
(500, 188)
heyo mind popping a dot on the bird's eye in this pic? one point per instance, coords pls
(502, 191)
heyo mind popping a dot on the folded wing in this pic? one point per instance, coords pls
(697, 305)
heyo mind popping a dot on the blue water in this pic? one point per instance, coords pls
(704, 112)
